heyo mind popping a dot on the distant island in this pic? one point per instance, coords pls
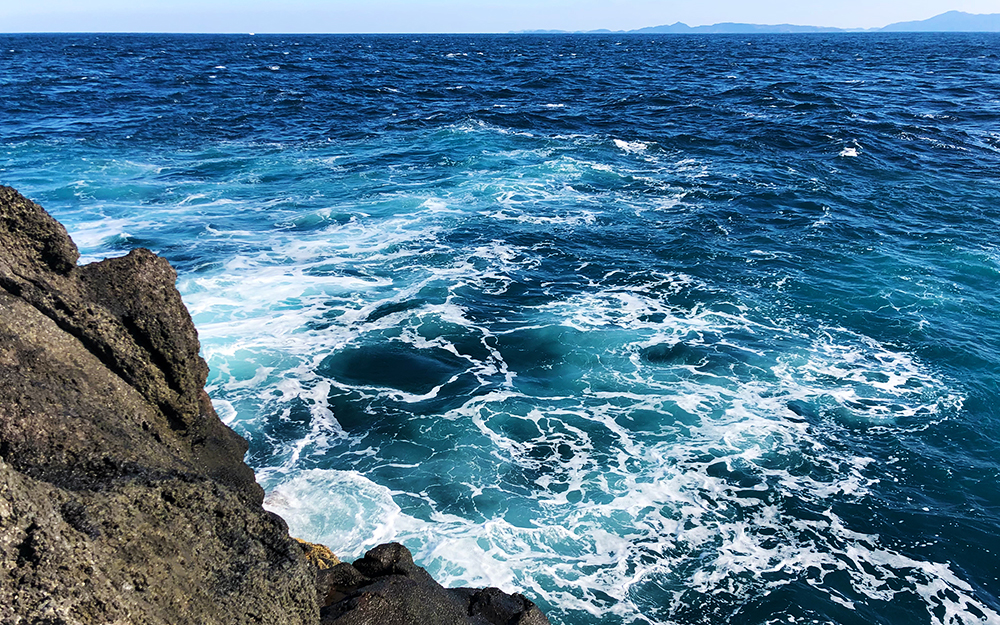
(952, 21)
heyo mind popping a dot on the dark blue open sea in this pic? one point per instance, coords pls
(657, 330)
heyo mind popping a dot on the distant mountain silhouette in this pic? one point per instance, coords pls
(952, 21)
(736, 28)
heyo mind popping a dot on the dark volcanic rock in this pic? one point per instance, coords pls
(387, 588)
(123, 498)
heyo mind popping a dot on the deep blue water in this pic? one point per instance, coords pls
(667, 329)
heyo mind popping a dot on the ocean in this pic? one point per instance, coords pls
(653, 329)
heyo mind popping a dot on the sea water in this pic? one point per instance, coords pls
(653, 329)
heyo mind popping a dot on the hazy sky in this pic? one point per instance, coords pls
(429, 16)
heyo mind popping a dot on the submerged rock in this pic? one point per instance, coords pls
(124, 498)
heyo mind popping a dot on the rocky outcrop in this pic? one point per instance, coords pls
(387, 588)
(123, 498)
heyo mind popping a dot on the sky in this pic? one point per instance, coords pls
(452, 16)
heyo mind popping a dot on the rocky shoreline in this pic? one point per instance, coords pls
(124, 498)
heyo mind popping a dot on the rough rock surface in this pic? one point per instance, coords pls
(387, 588)
(124, 499)
(319, 556)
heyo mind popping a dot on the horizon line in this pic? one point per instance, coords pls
(541, 31)
(553, 32)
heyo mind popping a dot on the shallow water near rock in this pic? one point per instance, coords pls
(668, 329)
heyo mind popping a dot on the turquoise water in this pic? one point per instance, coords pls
(672, 329)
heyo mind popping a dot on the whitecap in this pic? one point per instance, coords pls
(340, 509)
(631, 147)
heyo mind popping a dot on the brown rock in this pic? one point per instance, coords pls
(319, 555)
(123, 498)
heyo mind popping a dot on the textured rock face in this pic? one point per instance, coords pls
(123, 498)
(387, 588)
